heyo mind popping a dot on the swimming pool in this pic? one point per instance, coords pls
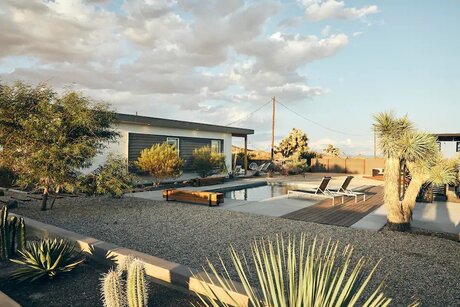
(257, 193)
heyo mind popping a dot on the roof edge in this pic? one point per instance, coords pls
(179, 124)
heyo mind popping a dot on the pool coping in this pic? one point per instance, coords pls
(238, 187)
(161, 271)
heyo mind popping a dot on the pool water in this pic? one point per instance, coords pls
(257, 193)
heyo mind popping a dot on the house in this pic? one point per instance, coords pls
(449, 144)
(140, 132)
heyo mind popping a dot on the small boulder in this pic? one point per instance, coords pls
(12, 204)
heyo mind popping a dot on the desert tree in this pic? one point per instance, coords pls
(161, 161)
(403, 146)
(47, 137)
(331, 151)
(294, 144)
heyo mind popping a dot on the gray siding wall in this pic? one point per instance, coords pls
(137, 142)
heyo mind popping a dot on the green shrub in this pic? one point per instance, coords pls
(295, 273)
(7, 177)
(205, 161)
(125, 286)
(12, 234)
(46, 258)
(161, 161)
(111, 178)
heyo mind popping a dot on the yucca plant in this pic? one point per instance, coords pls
(401, 144)
(46, 258)
(295, 273)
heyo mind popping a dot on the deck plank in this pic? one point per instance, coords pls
(345, 214)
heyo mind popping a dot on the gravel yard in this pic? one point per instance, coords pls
(80, 287)
(421, 266)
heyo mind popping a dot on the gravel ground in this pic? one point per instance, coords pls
(78, 288)
(418, 266)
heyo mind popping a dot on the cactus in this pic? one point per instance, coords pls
(113, 293)
(12, 234)
(3, 234)
(21, 235)
(136, 285)
(117, 292)
(124, 263)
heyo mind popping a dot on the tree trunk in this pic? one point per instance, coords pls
(418, 178)
(395, 215)
(45, 199)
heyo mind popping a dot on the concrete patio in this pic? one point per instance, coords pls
(437, 216)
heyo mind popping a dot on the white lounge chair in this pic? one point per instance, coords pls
(343, 190)
(320, 191)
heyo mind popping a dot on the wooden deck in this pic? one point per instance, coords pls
(345, 214)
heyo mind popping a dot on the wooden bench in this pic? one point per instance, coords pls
(207, 198)
(208, 181)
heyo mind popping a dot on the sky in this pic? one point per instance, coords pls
(330, 64)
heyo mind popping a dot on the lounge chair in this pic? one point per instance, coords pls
(238, 171)
(321, 191)
(343, 190)
(265, 167)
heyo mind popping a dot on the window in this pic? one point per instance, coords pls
(173, 142)
(458, 146)
(215, 146)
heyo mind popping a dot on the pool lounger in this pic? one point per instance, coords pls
(343, 190)
(320, 191)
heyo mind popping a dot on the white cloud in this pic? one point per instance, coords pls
(210, 58)
(326, 30)
(355, 34)
(316, 10)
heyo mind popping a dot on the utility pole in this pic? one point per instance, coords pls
(273, 129)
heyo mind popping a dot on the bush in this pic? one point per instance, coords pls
(292, 167)
(111, 178)
(294, 273)
(205, 161)
(46, 258)
(7, 177)
(161, 161)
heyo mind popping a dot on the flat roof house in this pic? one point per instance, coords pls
(140, 132)
(449, 144)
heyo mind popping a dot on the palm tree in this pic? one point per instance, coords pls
(402, 145)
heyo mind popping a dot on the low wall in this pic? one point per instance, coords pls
(164, 272)
(349, 166)
(6, 301)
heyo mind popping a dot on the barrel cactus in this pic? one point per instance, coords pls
(126, 285)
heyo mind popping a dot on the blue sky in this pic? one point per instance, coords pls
(335, 62)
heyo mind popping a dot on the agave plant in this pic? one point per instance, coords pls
(46, 258)
(294, 273)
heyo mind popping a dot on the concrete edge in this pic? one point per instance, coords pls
(166, 273)
(6, 301)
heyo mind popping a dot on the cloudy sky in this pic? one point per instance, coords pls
(330, 64)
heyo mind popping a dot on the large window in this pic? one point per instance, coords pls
(215, 146)
(458, 146)
(173, 142)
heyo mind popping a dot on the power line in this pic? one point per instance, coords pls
(318, 124)
(249, 114)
